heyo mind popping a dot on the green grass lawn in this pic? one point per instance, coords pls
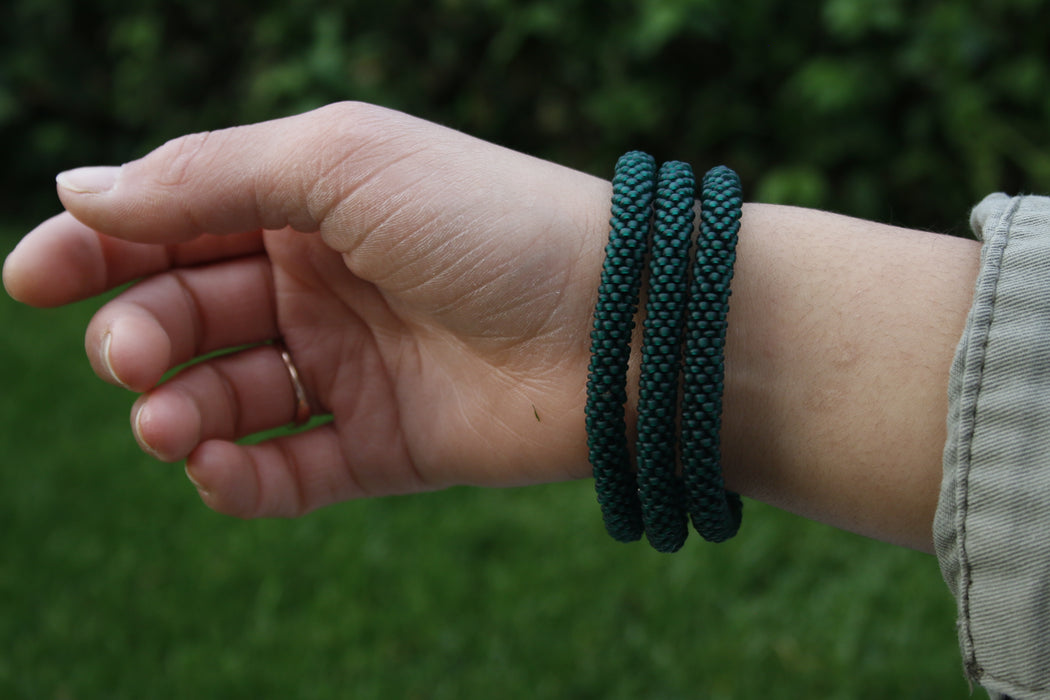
(116, 582)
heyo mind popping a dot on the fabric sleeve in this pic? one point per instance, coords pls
(992, 527)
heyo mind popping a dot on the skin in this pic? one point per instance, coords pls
(436, 292)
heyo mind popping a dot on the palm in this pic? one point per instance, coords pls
(439, 376)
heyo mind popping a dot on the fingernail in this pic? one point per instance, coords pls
(197, 484)
(107, 341)
(136, 428)
(91, 180)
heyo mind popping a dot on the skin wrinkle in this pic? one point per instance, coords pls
(190, 215)
(276, 191)
(290, 276)
(391, 250)
(284, 283)
(368, 344)
(195, 312)
(480, 265)
(525, 298)
(488, 432)
(233, 400)
(296, 471)
(351, 190)
(95, 250)
(543, 383)
(419, 482)
(502, 347)
(475, 262)
(571, 277)
(356, 487)
(358, 240)
(170, 256)
(408, 354)
(191, 254)
(272, 304)
(584, 250)
(180, 158)
(178, 155)
(392, 208)
(259, 500)
(553, 324)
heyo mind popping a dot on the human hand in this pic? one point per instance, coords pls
(435, 292)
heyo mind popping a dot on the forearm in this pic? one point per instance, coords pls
(841, 336)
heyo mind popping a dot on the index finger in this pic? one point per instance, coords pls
(63, 260)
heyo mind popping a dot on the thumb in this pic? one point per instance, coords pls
(404, 200)
(286, 172)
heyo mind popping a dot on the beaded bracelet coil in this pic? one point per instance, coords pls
(618, 291)
(715, 512)
(659, 487)
(656, 500)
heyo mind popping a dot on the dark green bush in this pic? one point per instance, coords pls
(893, 110)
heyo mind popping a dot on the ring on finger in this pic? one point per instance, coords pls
(302, 404)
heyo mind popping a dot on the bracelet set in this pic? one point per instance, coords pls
(682, 369)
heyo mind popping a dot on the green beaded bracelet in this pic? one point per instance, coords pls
(659, 487)
(618, 291)
(715, 512)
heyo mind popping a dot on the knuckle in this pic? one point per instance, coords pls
(175, 162)
(364, 144)
(348, 111)
(360, 126)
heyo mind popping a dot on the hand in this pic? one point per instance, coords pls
(435, 292)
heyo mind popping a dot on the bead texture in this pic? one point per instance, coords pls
(715, 512)
(614, 480)
(660, 488)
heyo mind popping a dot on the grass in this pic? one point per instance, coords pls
(117, 583)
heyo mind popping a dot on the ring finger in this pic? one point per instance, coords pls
(226, 397)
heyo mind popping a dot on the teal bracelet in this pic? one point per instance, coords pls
(657, 500)
(618, 291)
(659, 487)
(715, 512)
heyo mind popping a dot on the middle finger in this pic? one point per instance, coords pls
(171, 318)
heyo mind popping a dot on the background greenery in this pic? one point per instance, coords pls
(116, 583)
(890, 109)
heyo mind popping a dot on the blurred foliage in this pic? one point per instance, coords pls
(895, 110)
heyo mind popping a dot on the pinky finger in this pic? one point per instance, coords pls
(285, 477)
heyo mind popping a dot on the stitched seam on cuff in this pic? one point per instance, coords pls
(996, 245)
